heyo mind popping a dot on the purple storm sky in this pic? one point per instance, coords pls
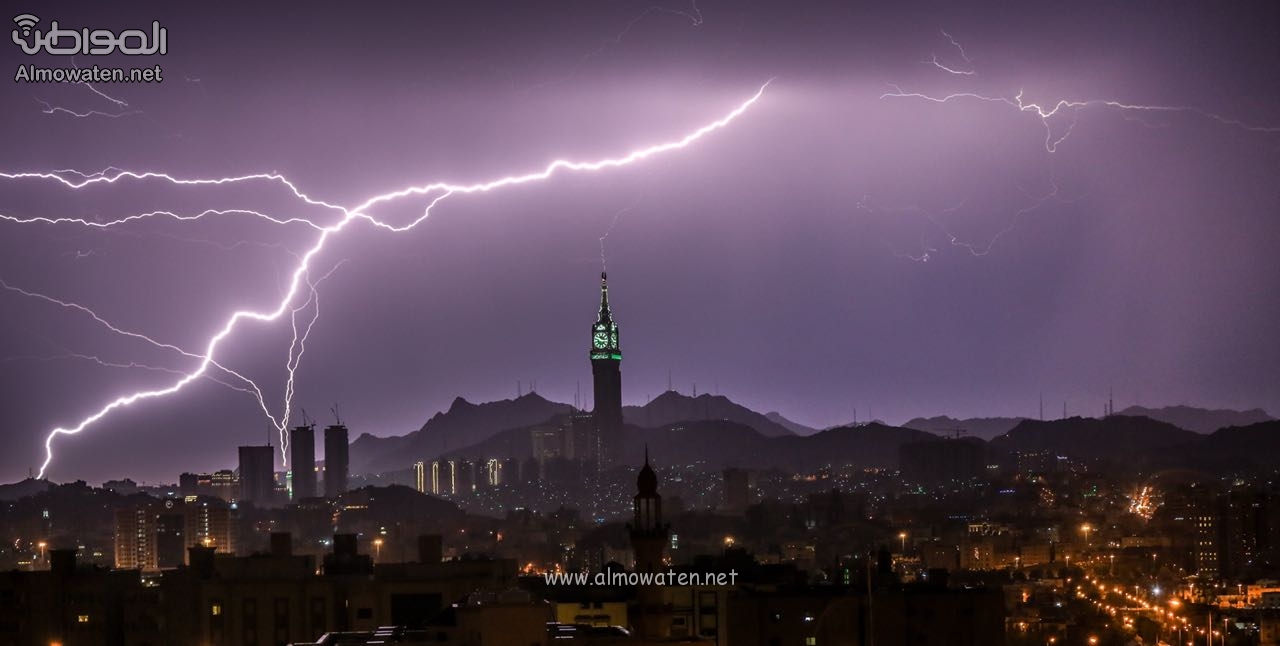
(780, 261)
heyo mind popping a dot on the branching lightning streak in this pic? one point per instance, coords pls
(49, 108)
(298, 346)
(153, 214)
(1046, 114)
(604, 265)
(349, 215)
(253, 387)
(951, 69)
(116, 364)
(119, 103)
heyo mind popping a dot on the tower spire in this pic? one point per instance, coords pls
(605, 314)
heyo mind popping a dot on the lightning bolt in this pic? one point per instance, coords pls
(120, 104)
(948, 68)
(49, 108)
(437, 191)
(1064, 106)
(616, 216)
(252, 387)
(105, 363)
(155, 214)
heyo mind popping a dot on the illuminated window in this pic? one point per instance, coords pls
(83, 619)
(215, 609)
(810, 641)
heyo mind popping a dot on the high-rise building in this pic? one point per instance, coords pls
(155, 535)
(336, 463)
(302, 462)
(606, 362)
(210, 524)
(444, 477)
(436, 476)
(257, 474)
(420, 476)
(135, 543)
(223, 484)
(170, 537)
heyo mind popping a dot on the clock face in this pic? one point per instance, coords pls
(601, 339)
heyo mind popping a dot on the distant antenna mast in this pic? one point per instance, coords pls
(1064, 409)
(1042, 405)
(337, 419)
(519, 389)
(669, 386)
(306, 421)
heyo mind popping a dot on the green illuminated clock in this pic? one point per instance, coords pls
(600, 339)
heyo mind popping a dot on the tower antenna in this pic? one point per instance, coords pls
(1042, 405)
(337, 419)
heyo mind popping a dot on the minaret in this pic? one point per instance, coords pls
(606, 361)
(648, 536)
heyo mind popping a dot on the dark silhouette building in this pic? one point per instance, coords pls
(257, 474)
(336, 461)
(606, 362)
(302, 462)
(648, 536)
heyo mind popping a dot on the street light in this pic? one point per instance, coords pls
(1086, 528)
(377, 547)
(903, 537)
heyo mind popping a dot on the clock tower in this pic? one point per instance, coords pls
(606, 361)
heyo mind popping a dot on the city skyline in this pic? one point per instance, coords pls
(847, 243)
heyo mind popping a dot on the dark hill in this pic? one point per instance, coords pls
(1114, 438)
(1238, 448)
(794, 427)
(464, 424)
(1200, 420)
(983, 427)
(672, 407)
